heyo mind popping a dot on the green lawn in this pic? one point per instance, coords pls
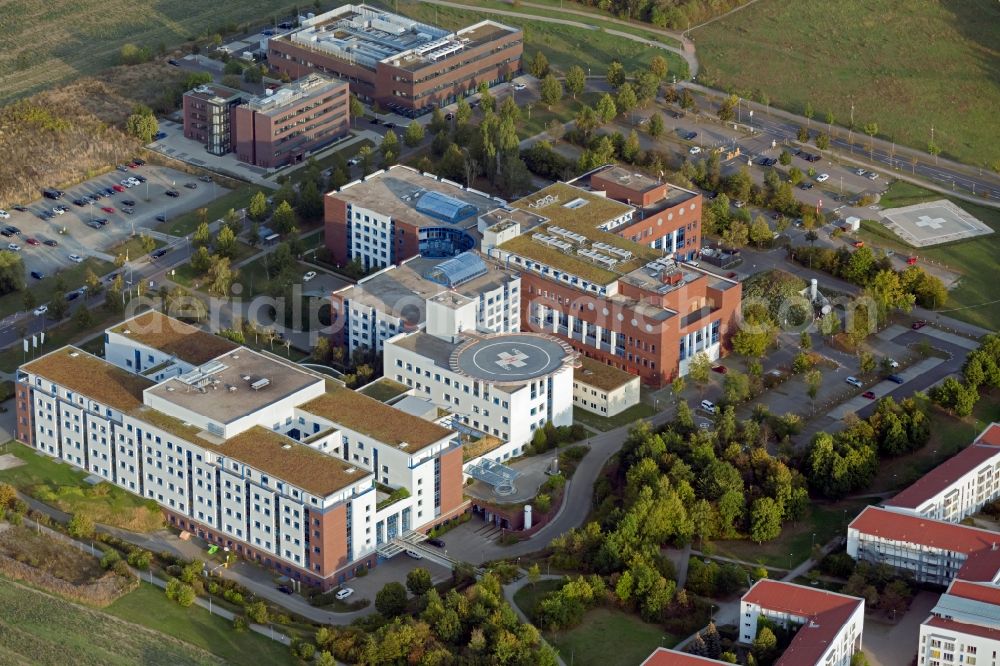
(63, 487)
(588, 643)
(975, 259)
(564, 46)
(186, 276)
(609, 636)
(62, 40)
(38, 628)
(825, 520)
(185, 224)
(149, 607)
(133, 247)
(329, 160)
(906, 65)
(630, 415)
(540, 117)
(72, 277)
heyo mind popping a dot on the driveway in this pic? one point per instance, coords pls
(895, 645)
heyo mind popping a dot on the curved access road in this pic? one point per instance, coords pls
(599, 23)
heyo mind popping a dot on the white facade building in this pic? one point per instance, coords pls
(963, 627)
(603, 389)
(241, 448)
(960, 486)
(394, 299)
(830, 624)
(503, 385)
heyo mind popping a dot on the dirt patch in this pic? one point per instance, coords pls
(43, 552)
(10, 461)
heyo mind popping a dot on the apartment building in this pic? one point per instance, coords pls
(613, 299)
(667, 217)
(281, 127)
(241, 448)
(958, 487)
(208, 116)
(399, 213)
(830, 625)
(602, 389)
(963, 627)
(394, 299)
(933, 551)
(401, 64)
(504, 385)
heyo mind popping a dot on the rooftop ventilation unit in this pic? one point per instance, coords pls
(287, 447)
(566, 233)
(74, 354)
(544, 201)
(611, 249)
(260, 383)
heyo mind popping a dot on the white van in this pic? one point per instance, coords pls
(708, 406)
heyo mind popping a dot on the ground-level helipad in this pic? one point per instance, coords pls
(511, 357)
(932, 223)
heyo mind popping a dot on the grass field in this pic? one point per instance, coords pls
(907, 65)
(182, 225)
(563, 45)
(37, 628)
(63, 487)
(795, 543)
(604, 637)
(603, 423)
(43, 552)
(53, 42)
(149, 607)
(72, 277)
(132, 247)
(975, 298)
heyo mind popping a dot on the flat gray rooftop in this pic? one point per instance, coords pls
(223, 389)
(422, 200)
(402, 291)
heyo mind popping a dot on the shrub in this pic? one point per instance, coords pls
(233, 596)
(140, 559)
(543, 502)
(257, 611)
(240, 624)
(110, 558)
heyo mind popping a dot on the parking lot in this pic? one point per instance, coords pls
(70, 229)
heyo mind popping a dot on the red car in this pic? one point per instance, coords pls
(107, 209)
(134, 165)
(868, 394)
(31, 241)
(118, 188)
(918, 324)
(721, 369)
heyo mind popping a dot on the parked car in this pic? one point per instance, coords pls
(721, 369)
(309, 276)
(80, 202)
(860, 172)
(128, 202)
(872, 176)
(868, 394)
(13, 247)
(41, 310)
(141, 179)
(158, 253)
(708, 406)
(805, 185)
(32, 241)
(50, 243)
(414, 554)
(345, 592)
(76, 259)
(694, 150)
(854, 381)
(353, 161)
(205, 179)
(128, 211)
(519, 86)
(691, 135)
(94, 224)
(161, 218)
(58, 210)
(52, 193)
(896, 379)
(21, 209)
(822, 178)
(118, 188)
(38, 275)
(437, 543)
(812, 158)
(191, 185)
(122, 168)
(108, 209)
(917, 325)
(173, 193)
(284, 589)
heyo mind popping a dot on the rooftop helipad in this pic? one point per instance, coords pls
(510, 358)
